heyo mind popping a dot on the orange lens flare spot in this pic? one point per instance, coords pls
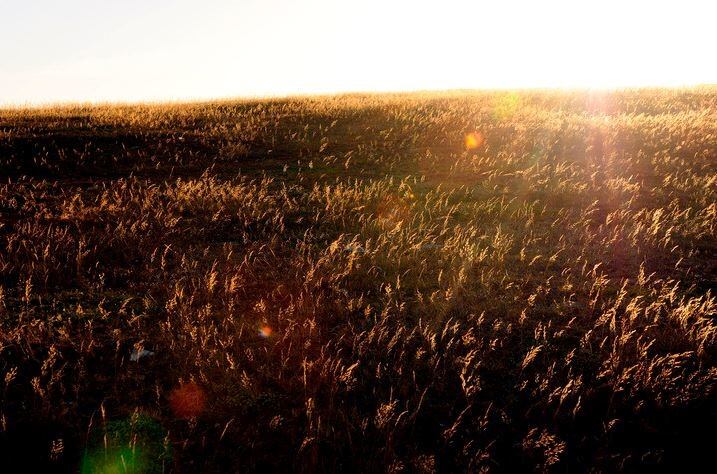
(187, 400)
(473, 140)
(265, 331)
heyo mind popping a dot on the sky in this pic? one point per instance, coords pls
(152, 50)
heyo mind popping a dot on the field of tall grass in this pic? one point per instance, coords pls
(454, 282)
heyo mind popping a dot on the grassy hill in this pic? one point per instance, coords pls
(406, 283)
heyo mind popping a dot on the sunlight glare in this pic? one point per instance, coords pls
(81, 50)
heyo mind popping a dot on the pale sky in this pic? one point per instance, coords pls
(130, 50)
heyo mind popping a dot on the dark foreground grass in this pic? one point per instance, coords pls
(407, 283)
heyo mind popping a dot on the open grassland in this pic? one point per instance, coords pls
(404, 283)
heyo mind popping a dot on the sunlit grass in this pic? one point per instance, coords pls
(453, 282)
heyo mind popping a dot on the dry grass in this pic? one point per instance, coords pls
(338, 284)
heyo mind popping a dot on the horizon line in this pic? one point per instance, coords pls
(191, 100)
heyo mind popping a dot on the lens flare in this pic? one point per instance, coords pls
(187, 400)
(473, 140)
(506, 105)
(129, 445)
(265, 331)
